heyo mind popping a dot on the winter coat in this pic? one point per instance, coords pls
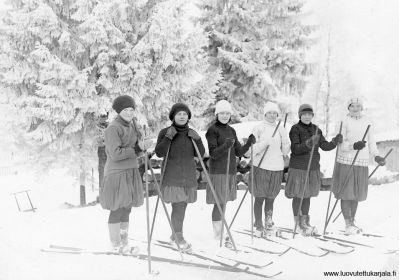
(180, 170)
(279, 146)
(216, 136)
(120, 139)
(353, 129)
(300, 152)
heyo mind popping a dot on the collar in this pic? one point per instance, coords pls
(123, 122)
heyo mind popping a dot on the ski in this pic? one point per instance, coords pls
(267, 251)
(282, 241)
(203, 255)
(79, 251)
(334, 246)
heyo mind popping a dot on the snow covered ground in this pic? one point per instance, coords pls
(23, 234)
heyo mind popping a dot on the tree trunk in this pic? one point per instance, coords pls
(327, 104)
(82, 186)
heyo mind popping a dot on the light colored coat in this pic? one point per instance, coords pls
(279, 146)
(353, 129)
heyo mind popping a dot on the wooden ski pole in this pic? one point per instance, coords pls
(329, 197)
(227, 186)
(346, 179)
(147, 208)
(214, 193)
(252, 194)
(163, 170)
(260, 162)
(372, 173)
(306, 182)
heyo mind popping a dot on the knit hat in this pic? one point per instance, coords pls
(123, 102)
(355, 100)
(271, 107)
(178, 107)
(223, 106)
(305, 108)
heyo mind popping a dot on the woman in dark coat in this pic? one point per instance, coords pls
(221, 137)
(122, 186)
(179, 185)
(303, 136)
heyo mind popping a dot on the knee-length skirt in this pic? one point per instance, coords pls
(223, 193)
(173, 194)
(356, 185)
(296, 182)
(267, 183)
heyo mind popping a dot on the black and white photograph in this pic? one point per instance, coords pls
(199, 139)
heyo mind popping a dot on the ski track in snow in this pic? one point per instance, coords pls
(23, 234)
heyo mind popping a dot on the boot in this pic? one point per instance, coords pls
(353, 224)
(115, 237)
(126, 248)
(313, 229)
(270, 229)
(183, 244)
(301, 226)
(350, 229)
(258, 229)
(217, 229)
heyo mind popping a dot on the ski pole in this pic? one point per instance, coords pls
(306, 183)
(160, 182)
(252, 194)
(260, 162)
(227, 186)
(372, 173)
(147, 208)
(329, 197)
(214, 193)
(346, 179)
(285, 119)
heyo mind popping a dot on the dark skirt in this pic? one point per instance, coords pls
(356, 187)
(122, 190)
(267, 183)
(173, 194)
(219, 183)
(296, 182)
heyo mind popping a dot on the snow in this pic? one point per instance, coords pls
(390, 135)
(23, 234)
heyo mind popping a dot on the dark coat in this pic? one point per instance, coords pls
(216, 136)
(180, 167)
(300, 152)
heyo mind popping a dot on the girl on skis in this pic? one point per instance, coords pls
(122, 185)
(304, 135)
(221, 137)
(179, 185)
(268, 176)
(350, 183)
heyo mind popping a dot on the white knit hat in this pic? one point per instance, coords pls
(223, 106)
(271, 107)
(355, 100)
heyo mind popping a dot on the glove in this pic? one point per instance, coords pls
(171, 132)
(313, 141)
(359, 145)
(338, 139)
(193, 135)
(229, 142)
(251, 139)
(380, 160)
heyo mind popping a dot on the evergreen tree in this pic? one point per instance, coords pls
(260, 48)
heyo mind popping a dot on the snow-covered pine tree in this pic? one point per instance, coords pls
(260, 47)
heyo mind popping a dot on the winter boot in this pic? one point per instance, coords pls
(258, 229)
(270, 229)
(353, 224)
(115, 237)
(350, 229)
(217, 229)
(313, 229)
(183, 244)
(228, 243)
(301, 226)
(126, 248)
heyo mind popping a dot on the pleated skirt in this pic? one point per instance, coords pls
(122, 190)
(223, 194)
(173, 194)
(296, 183)
(356, 185)
(267, 183)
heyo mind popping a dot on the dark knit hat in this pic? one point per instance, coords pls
(178, 107)
(123, 102)
(305, 108)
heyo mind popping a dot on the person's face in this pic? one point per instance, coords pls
(224, 117)
(271, 116)
(181, 118)
(127, 114)
(355, 108)
(306, 118)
